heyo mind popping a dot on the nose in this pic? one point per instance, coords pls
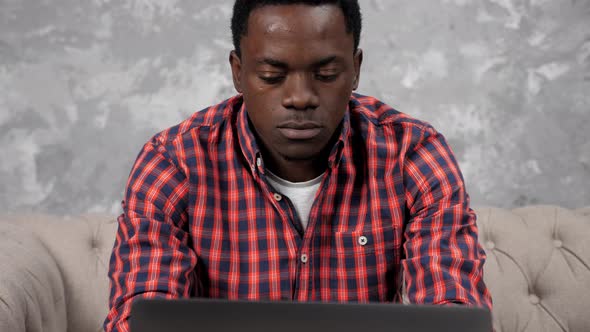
(300, 94)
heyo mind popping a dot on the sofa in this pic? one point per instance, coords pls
(53, 270)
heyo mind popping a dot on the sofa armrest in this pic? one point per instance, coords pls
(32, 294)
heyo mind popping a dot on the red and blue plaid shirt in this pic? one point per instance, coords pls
(200, 218)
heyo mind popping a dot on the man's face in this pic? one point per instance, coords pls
(297, 71)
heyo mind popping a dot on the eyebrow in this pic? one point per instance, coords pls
(325, 61)
(284, 65)
(272, 62)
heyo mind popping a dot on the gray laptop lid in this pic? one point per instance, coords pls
(222, 315)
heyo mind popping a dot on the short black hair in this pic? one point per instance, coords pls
(243, 8)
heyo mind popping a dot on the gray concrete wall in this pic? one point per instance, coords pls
(83, 84)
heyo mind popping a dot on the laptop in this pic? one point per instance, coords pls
(209, 315)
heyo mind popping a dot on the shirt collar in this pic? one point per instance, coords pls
(246, 138)
(251, 152)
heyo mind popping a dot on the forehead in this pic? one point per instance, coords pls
(297, 30)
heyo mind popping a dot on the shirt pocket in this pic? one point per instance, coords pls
(364, 242)
(364, 263)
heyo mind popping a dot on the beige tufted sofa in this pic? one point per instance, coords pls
(53, 270)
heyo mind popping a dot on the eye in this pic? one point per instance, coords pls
(272, 79)
(326, 77)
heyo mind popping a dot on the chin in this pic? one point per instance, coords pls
(297, 155)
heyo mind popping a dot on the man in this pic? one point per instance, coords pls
(296, 189)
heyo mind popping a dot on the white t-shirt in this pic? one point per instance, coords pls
(301, 194)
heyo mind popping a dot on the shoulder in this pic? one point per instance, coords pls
(209, 118)
(203, 122)
(177, 142)
(375, 113)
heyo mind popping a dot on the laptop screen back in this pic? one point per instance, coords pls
(223, 315)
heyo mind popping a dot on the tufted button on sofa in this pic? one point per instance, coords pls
(53, 270)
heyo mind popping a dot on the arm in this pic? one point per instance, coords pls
(151, 256)
(444, 261)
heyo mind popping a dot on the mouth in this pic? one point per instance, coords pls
(300, 130)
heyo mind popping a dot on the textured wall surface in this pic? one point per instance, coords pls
(83, 84)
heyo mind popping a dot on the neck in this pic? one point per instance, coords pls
(295, 170)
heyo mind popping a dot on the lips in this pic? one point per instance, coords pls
(300, 130)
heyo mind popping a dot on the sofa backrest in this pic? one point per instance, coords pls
(32, 294)
(81, 246)
(538, 266)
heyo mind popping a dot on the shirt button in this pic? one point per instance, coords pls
(363, 240)
(258, 161)
(304, 258)
(278, 197)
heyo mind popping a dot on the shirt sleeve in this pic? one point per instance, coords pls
(444, 261)
(151, 256)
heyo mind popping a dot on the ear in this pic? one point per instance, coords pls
(236, 70)
(358, 61)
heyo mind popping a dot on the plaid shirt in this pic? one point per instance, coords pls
(200, 218)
